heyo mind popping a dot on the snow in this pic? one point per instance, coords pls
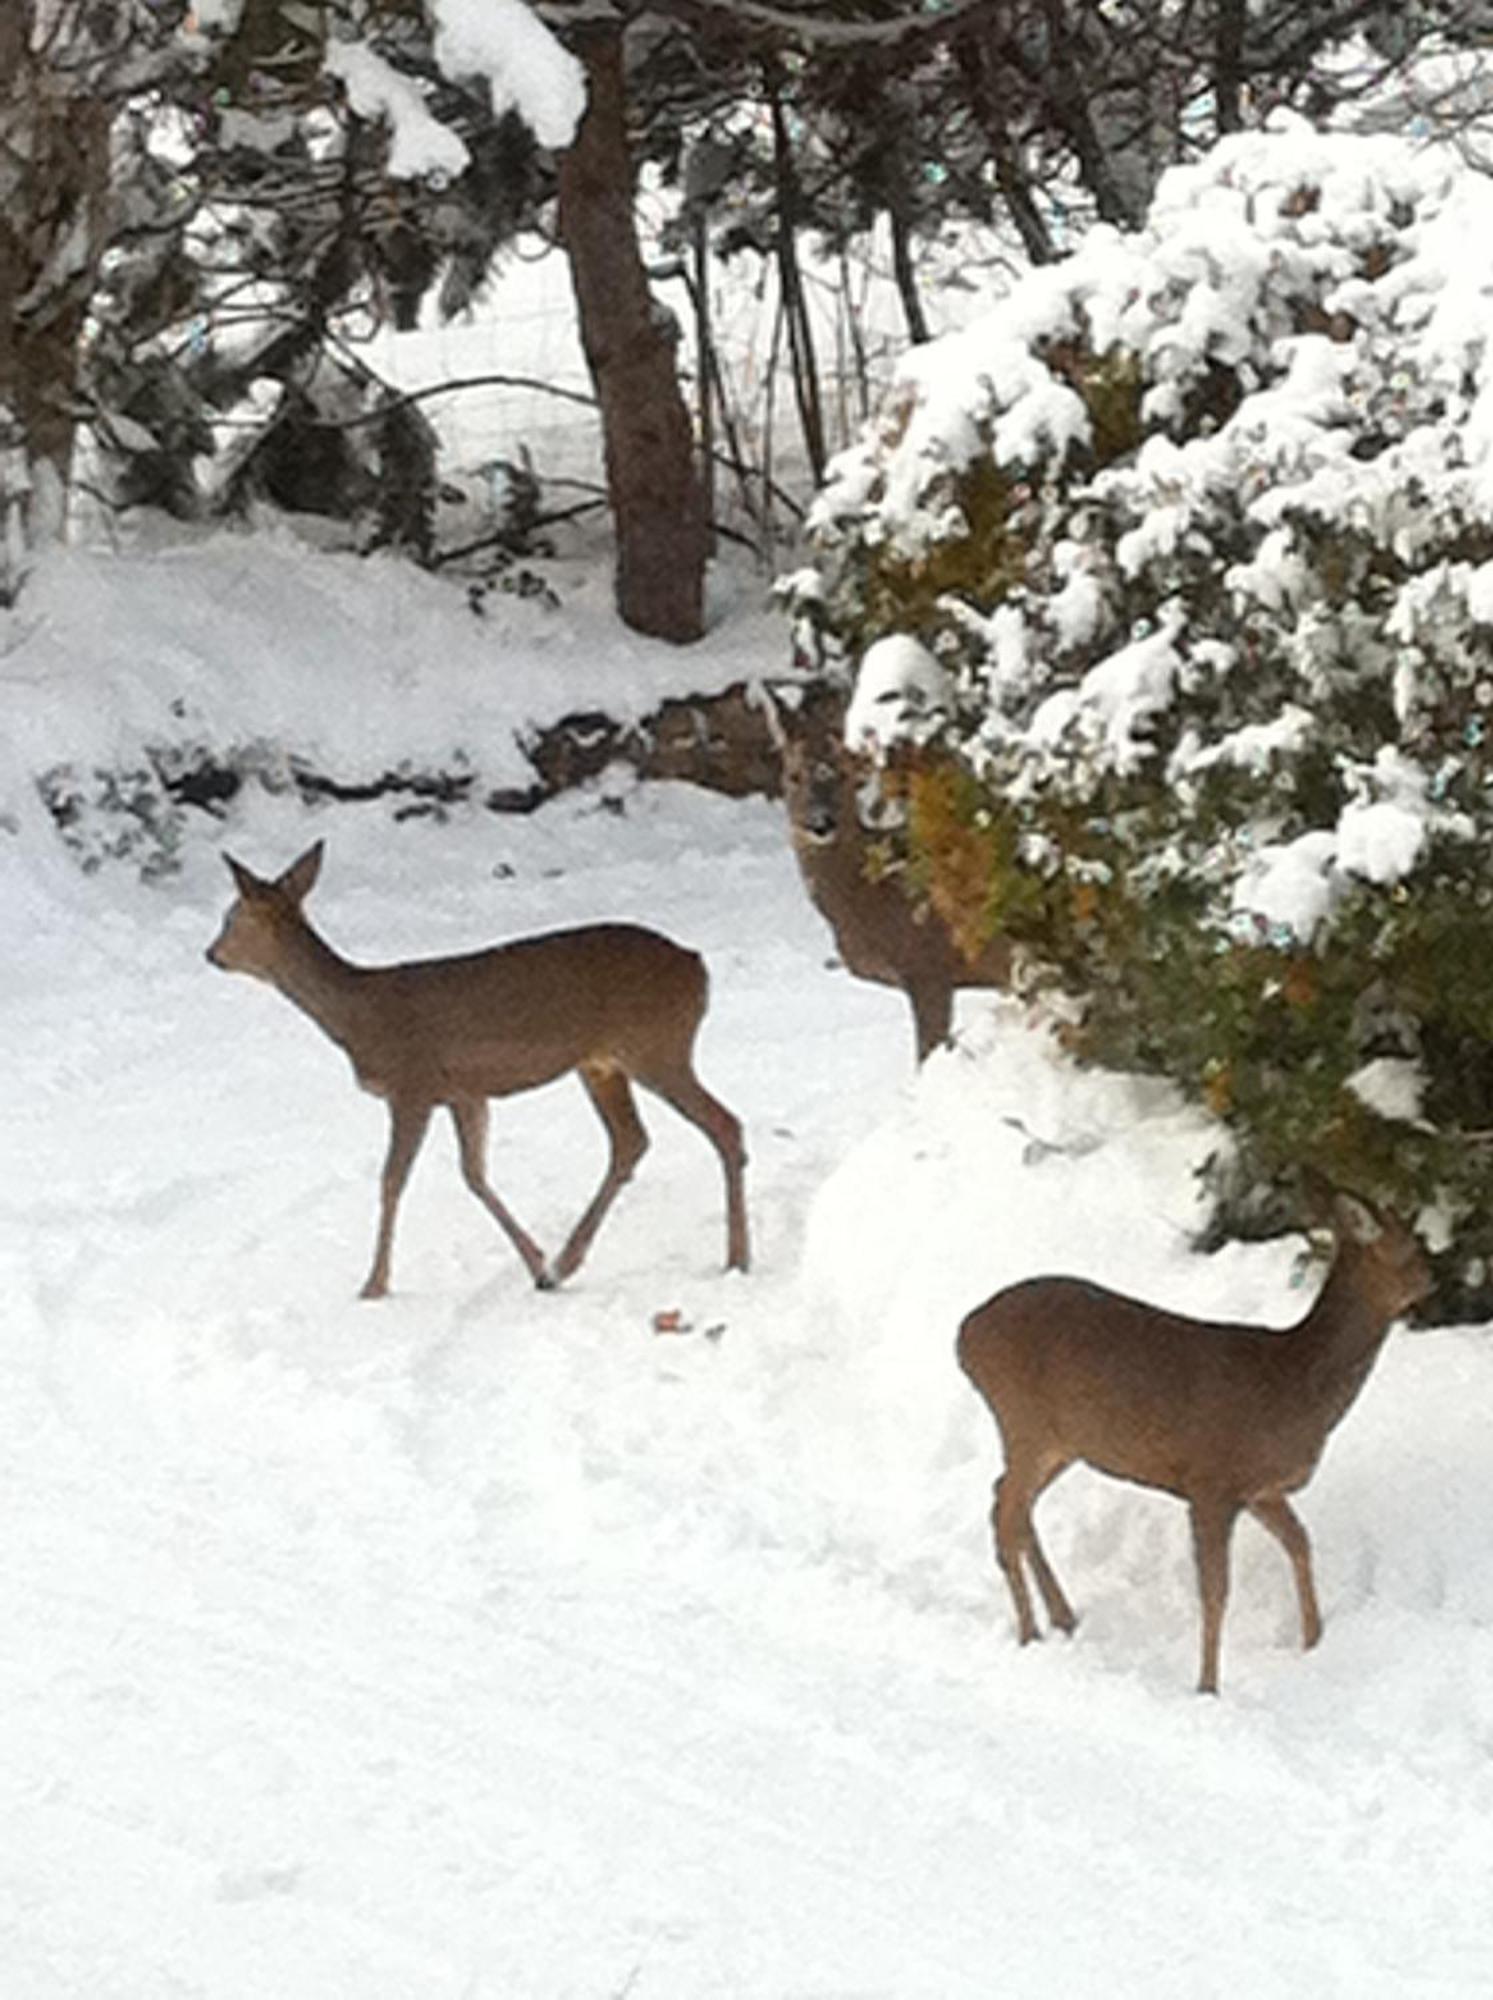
(1253, 746)
(526, 68)
(1381, 841)
(304, 636)
(900, 690)
(1379, 837)
(486, 1643)
(420, 146)
(1115, 700)
(1392, 1086)
(1075, 610)
(1289, 887)
(500, 42)
(213, 17)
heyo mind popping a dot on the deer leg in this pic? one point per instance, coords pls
(407, 1126)
(1212, 1525)
(932, 1013)
(1016, 1493)
(1277, 1514)
(469, 1115)
(1059, 1610)
(689, 1097)
(612, 1095)
(1005, 1523)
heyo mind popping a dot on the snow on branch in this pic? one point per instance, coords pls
(524, 66)
(420, 146)
(500, 43)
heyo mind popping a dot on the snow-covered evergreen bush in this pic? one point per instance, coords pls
(123, 814)
(1190, 545)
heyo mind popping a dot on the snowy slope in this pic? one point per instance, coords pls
(242, 639)
(484, 1643)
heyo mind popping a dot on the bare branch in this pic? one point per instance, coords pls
(811, 29)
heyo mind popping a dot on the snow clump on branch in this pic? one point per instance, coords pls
(500, 43)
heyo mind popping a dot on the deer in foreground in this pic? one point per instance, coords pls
(881, 935)
(616, 1003)
(1226, 1417)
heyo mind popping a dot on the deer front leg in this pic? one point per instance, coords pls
(1212, 1525)
(469, 1115)
(932, 1001)
(611, 1093)
(407, 1125)
(1277, 1514)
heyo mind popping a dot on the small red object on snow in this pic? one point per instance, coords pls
(670, 1320)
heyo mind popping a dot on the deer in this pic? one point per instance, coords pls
(881, 935)
(1229, 1418)
(618, 1004)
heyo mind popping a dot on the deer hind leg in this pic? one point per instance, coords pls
(932, 1013)
(1059, 1610)
(1016, 1493)
(1212, 1525)
(1277, 1514)
(469, 1116)
(612, 1095)
(679, 1086)
(407, 1127)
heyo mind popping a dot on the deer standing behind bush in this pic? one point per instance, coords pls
(1226, 1417)
(881, 935)
(614, 1002)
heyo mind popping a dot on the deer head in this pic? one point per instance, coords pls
(266, 914)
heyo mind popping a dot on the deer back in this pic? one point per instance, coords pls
(1181, 1403)
(481, 1023)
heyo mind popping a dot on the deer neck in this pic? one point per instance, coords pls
(1339, 1340)
(838, 863)
(324, 985)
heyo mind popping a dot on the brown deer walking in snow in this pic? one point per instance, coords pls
(616, 1003)
(881, 935)
(1229, 1418)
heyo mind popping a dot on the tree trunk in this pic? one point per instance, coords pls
(790, 277)
(1228, 65)
(907, 277)
(54, 185)
(651, 479)
(1070, 103)
(977, 66)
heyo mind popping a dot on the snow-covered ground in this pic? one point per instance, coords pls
(488, 1644)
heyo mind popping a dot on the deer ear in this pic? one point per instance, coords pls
(772, 715)
(1355, 1218)
(300, 877)
(243, 879)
